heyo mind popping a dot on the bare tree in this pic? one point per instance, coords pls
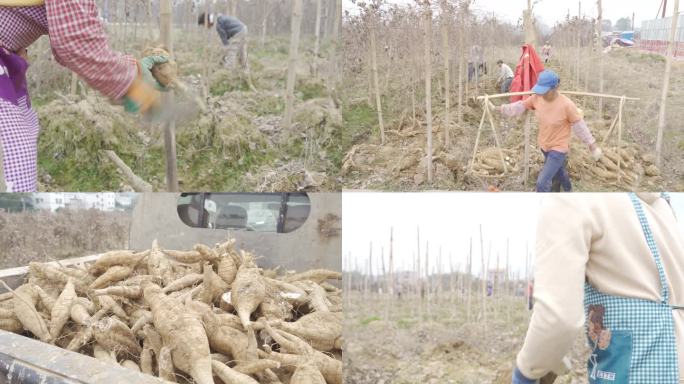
(428, 84)
(372, 19)
(317, 35)
(666, 85)
(292, 61)
(447, 84)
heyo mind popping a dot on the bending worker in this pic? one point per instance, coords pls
(558, 117)
(233, 34)
(505, 76)
(78, 42)
(613, 268)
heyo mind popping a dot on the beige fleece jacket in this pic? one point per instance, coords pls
(596, 237)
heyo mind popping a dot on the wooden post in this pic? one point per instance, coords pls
(447, 83)
(292, 62)
(666, 84)
(428, 86)
(374, 69)
(165, 17)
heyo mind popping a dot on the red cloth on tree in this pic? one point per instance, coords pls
(526, 73)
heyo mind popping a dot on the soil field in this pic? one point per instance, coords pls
(408, 341)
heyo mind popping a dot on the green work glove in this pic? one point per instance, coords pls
(144, 94)
(146, 65)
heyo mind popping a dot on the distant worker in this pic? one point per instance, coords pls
(611, 265)
(547, 52)
(476, 62)
(506, 76)
(233, 34)
(78, 42)
(558, 117)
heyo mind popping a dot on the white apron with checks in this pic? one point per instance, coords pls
(633, 340)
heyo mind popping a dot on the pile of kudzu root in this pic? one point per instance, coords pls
(204, 316)
(488, 162)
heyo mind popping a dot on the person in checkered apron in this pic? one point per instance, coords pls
(611, 264)
(78, 42)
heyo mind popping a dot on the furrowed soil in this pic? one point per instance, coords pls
(407, 341)
(400, 164)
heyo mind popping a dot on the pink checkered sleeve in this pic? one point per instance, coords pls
(79, 43)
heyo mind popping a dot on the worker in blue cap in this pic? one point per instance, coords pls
(558, 117)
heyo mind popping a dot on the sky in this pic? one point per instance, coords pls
(448, 220)
(550, 11)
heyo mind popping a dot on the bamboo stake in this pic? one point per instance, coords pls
(477, 141)
(573, 93)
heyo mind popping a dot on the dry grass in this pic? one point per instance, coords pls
(45, 236)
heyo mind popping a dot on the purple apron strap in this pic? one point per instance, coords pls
(13, 77)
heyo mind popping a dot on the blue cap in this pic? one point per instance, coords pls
(547, 80)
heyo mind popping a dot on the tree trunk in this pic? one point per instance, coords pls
(579, 43)
(391, 288)
(292, 61)
(428, 87)
(469, 281)
(599, 53)
(461, 64)
(317, 34)
(264, 23)
(207, 52)
(447, 83)
(666, 85)
(374, 69)
(165, 17)
(337, 21)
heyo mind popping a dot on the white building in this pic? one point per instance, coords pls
(105, 201)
